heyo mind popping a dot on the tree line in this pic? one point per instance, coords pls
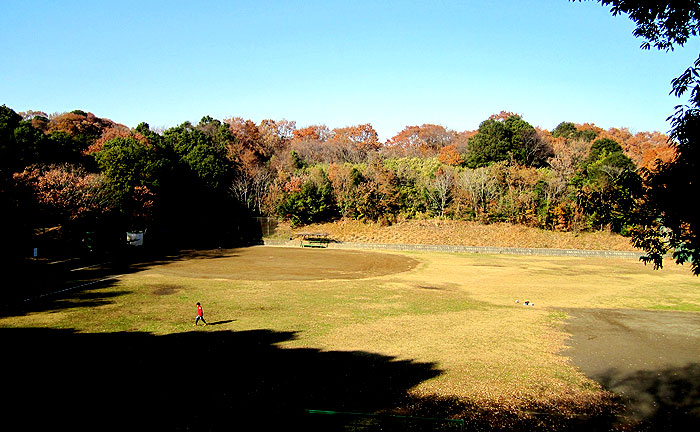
(66, 175)
(82, 181)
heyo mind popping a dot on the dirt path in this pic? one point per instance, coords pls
(650, 358)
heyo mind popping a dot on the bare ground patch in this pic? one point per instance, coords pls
(165, 289)
(284, 263)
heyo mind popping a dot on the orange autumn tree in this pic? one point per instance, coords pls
(425, 140)
(450, 156)
(644, 148)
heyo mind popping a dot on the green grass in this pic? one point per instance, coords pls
(557, 317)
(679, 306)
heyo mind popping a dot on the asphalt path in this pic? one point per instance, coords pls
(651, 359)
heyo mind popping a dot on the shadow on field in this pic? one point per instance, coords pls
(221, 322)
(189, 381)
(224, 380)
(664, 399)
(39, 285)
(84, 295)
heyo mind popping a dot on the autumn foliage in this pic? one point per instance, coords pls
(66, 192)
(567, 179)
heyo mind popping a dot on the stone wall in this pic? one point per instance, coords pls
(469, 249)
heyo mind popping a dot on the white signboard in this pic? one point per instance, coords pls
(134, 238)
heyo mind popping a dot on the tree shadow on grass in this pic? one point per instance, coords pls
(664, 399)
(225, 380)
(38, 285)
(86, 295)
(189, 381)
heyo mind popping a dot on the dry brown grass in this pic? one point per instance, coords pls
(450, 232)
(456, 311)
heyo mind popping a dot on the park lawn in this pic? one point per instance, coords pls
(456, 311)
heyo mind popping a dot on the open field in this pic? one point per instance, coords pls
(421, 334)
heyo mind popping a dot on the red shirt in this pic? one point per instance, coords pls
(199, 311)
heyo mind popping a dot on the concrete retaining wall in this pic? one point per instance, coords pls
(470, 249)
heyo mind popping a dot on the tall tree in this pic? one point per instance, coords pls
(440, 189)
(12, 156)
(569, 130)
(276, 135)
(491, 144)
(480, 189)
(507, 136)
(203, 156)
(130, 168)
(666, 223)
(610, 186)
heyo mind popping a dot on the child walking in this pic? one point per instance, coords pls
(200, 315)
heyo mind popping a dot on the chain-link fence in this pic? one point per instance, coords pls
(268, 225)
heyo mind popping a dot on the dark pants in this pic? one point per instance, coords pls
(199, 317)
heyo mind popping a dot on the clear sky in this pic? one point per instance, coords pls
(339, 63)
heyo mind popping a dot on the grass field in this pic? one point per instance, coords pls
(421, 334)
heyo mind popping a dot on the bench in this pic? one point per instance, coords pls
(314, 240)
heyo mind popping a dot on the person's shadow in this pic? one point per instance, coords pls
(221, 322)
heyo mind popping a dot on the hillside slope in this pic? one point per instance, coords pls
(450, 232)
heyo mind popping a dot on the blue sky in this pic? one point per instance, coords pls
(339, 63)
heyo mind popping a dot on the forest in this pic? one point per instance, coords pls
(74, 183)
